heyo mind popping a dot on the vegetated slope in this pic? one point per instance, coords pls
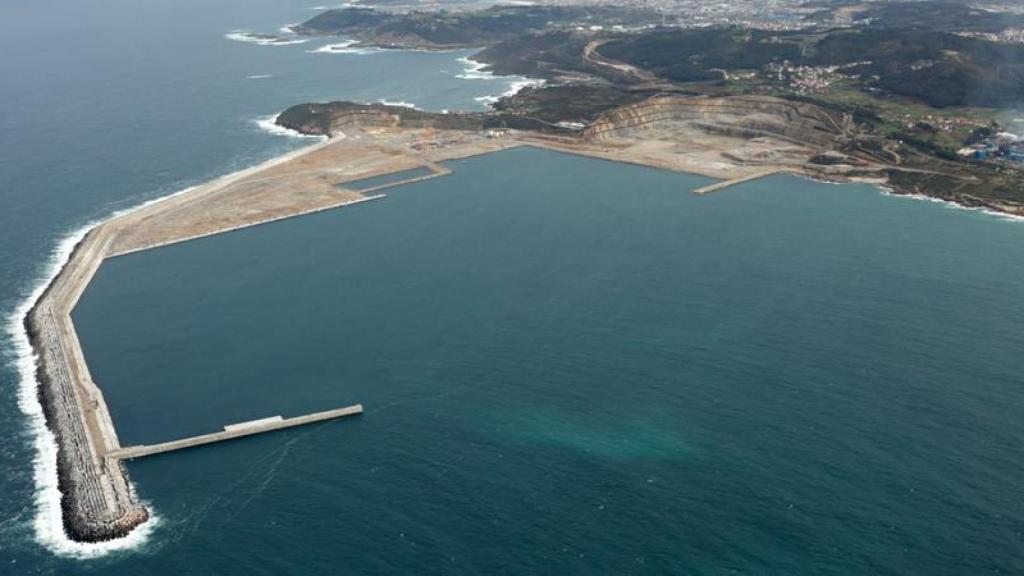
(568, 103)
(469, 28)
(937, 68)
(542, 55)
(690, 55)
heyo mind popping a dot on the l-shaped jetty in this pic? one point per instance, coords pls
(98, 502)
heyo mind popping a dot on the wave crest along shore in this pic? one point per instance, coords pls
(474, 70)
(48, 522)
(269, 125)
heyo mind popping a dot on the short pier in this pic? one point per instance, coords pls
(233, 431)
(727, 183)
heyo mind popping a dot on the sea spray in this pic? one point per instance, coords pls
(474, 70)
(351, 47)
(398, 103)
(48, 523)
(887, 191)
(262, 39)
(513, 89)
(269, 125)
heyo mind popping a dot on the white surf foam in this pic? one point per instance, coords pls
(344, 5)
(269, 125)
(488, 100)
(353, 47)
(401, 103)
(473, 70)
(518, 85)
(886, 191)
(513, 89)
(252, 38)
(47, 524)
(258, 76)
(347, 47)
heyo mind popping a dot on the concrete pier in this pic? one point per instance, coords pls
(233, 431)
(733, 182)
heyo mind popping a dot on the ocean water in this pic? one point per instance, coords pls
(577, 368)
(109, 103)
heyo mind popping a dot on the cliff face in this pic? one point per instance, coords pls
(741, 116)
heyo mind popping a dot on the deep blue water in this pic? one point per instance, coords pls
(573, 368)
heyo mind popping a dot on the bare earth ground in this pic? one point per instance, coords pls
(314, 179)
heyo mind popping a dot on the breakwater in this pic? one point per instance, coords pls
(97, 501)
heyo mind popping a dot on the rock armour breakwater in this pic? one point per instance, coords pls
(97, 502)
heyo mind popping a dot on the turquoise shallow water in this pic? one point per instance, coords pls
(580, 368)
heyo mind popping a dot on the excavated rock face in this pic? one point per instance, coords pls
(740, 116)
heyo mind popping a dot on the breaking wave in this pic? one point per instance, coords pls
(47, 524)
(269, 125)
(401, 103)
(473, 70)
(345, 5)
(513, 89)
(347, 47)
(262, 39)
(886, 191)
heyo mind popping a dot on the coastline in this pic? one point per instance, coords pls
(48, 523)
